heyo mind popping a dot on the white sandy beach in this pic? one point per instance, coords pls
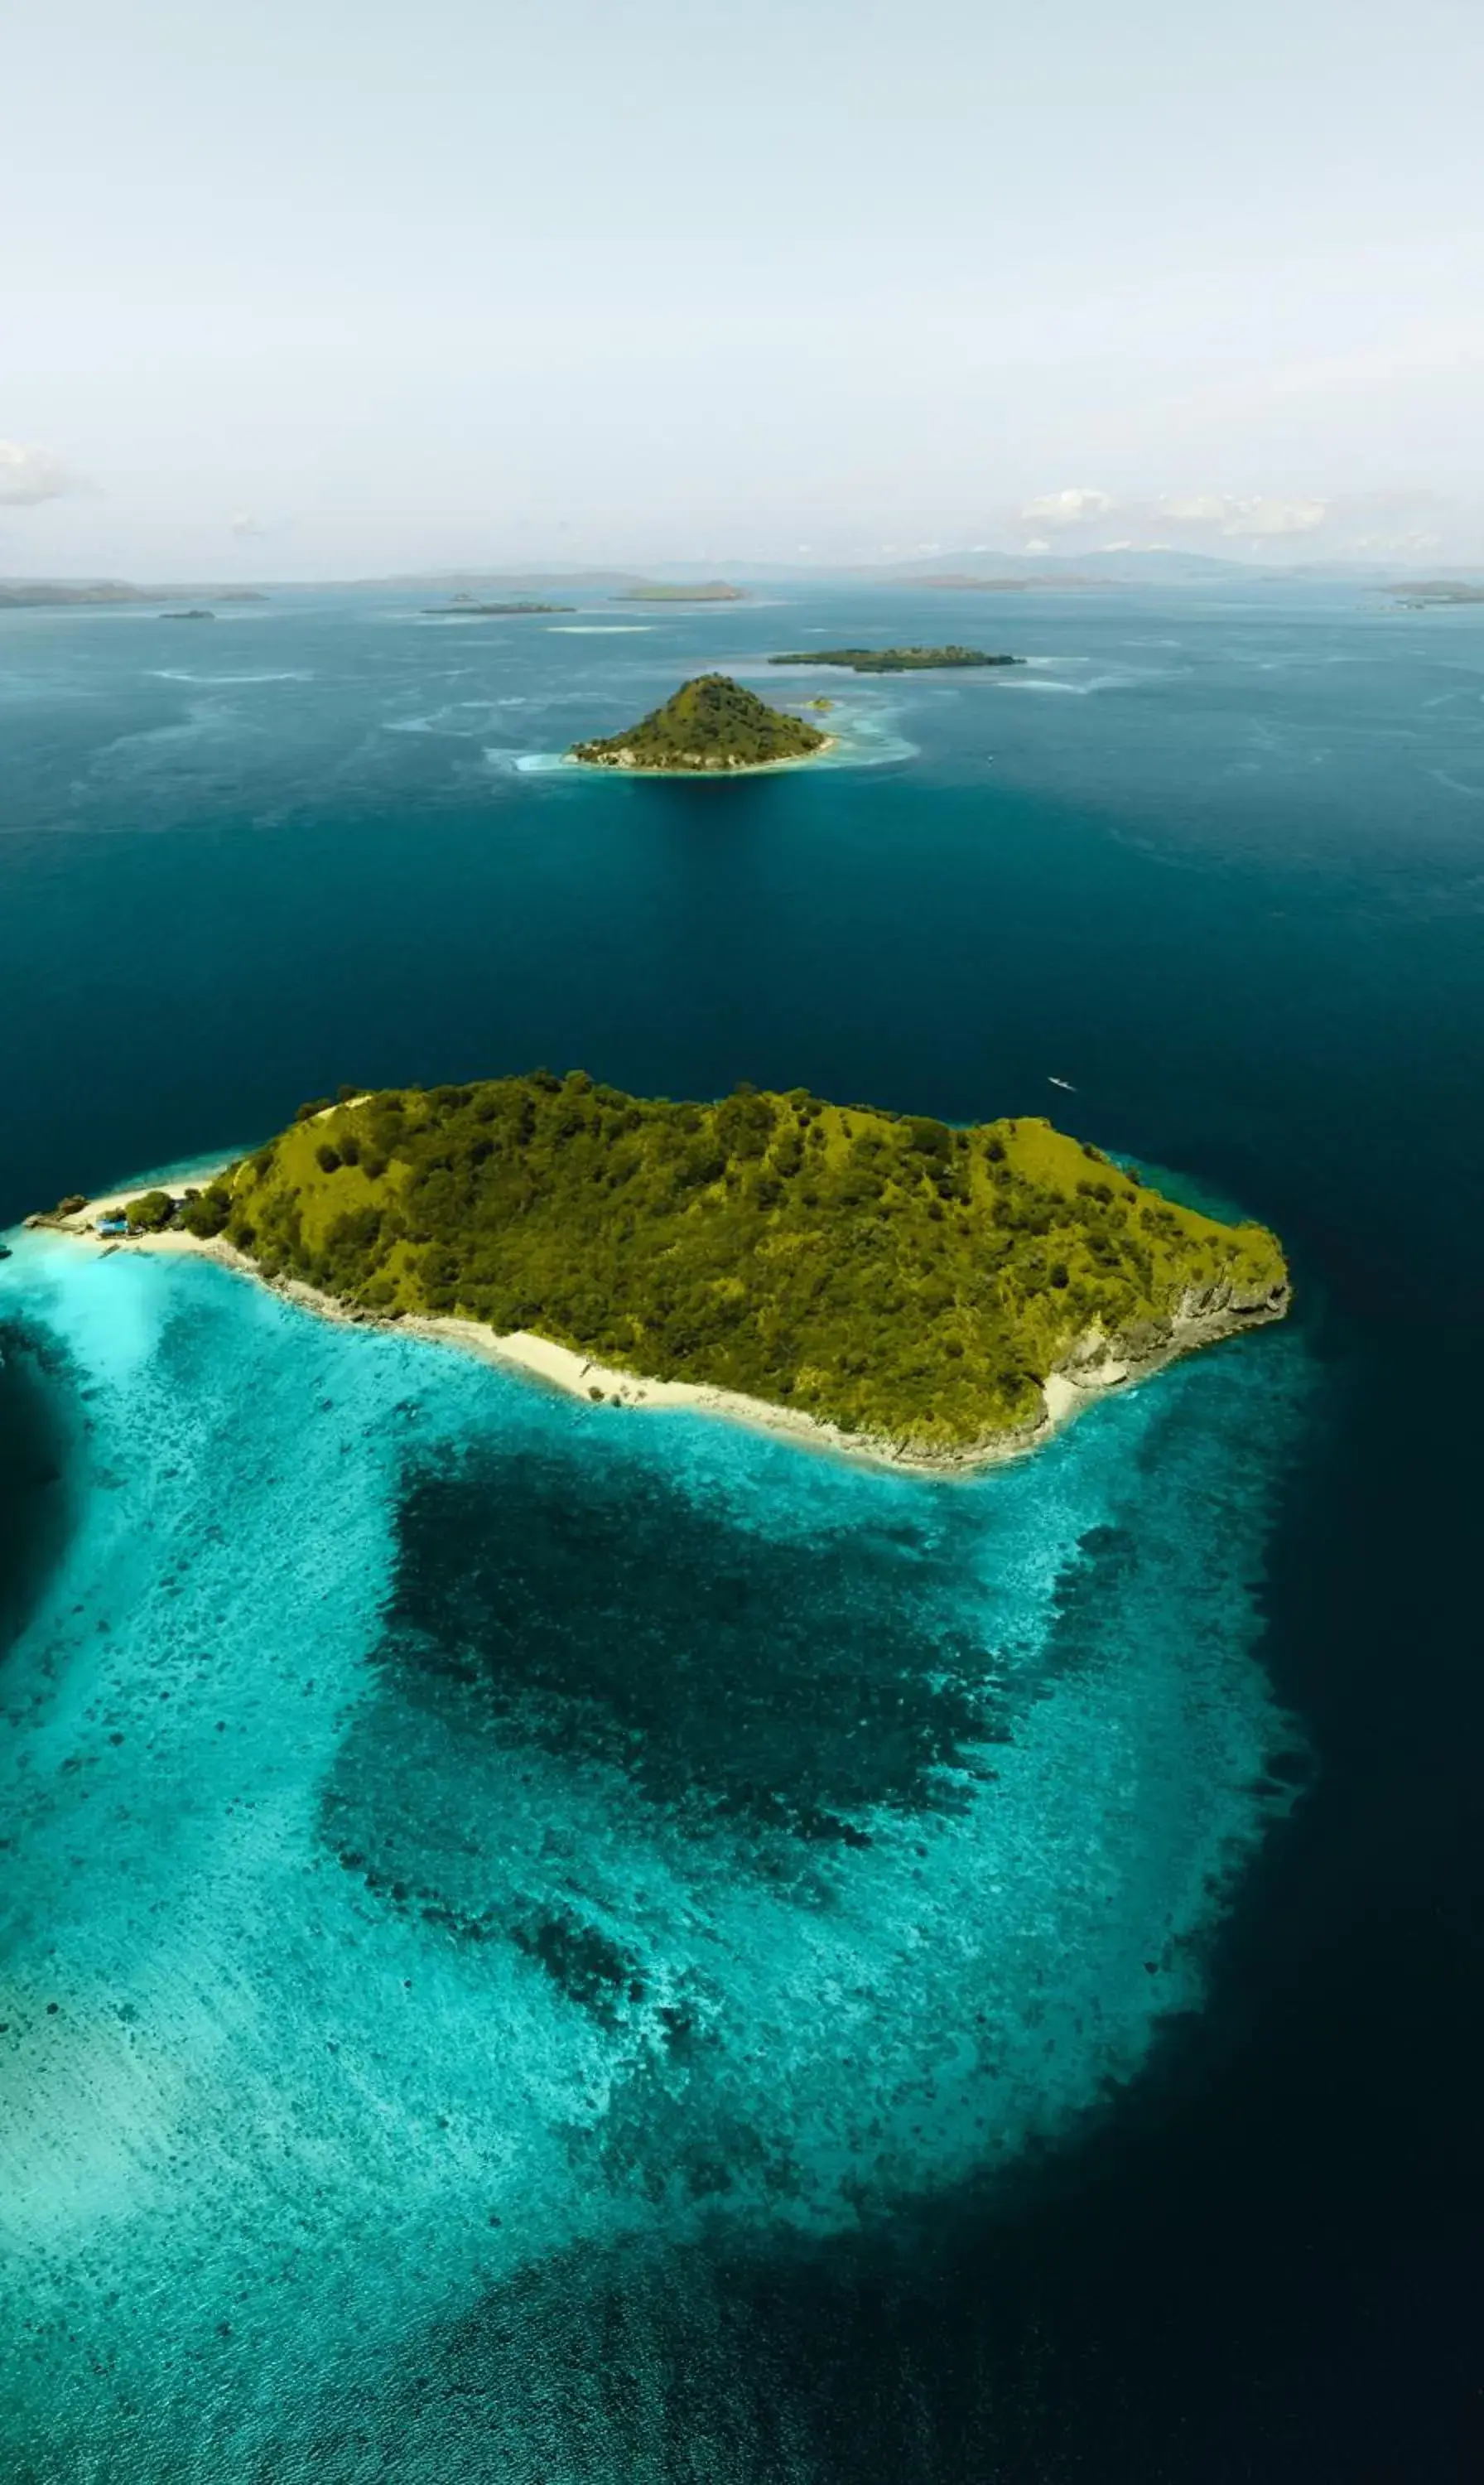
(562, 1367)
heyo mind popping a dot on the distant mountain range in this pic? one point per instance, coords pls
(16, 592)
(683, 583)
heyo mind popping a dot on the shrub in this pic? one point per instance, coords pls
(152, 1213)
(70, 1207)
(327, 1157)
(205, 1211)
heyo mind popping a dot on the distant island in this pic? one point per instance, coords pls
(907, 1290)
(895, 660)
(18, 593)
(964, 581)
(468, 608)
(714, 592)
(1419, 592)
(710, 725)
(195, 612)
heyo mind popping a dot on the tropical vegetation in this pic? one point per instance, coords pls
(709, 723)
(895, 660)
(885, 1271)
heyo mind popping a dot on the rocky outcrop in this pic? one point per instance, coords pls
(1201, 1316)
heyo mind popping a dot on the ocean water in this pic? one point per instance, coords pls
(544, 1944)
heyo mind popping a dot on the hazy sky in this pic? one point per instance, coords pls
(342, 285)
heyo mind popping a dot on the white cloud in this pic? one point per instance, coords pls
(1251, 514)
(1070, 508)
(28, 474)
(1422, 539)
(1194, 509)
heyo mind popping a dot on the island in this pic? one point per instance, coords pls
(710, 725)
(895, 660)
(878, 1282)
(1047, 583)
(467, 607)
(17, 594)
(716, 590)
(1418, 594)
(195, 612)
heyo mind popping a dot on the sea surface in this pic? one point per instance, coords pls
(546, 1946)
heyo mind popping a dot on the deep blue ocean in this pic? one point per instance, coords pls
(548, 1947)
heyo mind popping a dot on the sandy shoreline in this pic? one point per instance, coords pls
(1065, 1394)
(626, 766)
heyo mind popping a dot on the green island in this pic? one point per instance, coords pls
(468, 608)
(895, 660)
(1418, 594)
(914, 1285)
(711, 723)
(714, 590)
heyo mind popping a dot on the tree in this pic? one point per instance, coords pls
(205, 1214)
(151, 1213)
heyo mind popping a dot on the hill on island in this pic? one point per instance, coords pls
(712, 722)
(907, 1281)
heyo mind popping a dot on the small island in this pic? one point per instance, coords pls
(1419, 594)
(716, 590)
(875, 1281)
(895, 660)
(195, 612)
(712, 726)
(467, 607)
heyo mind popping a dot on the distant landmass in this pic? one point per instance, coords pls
(1420, 591)
(896, 660)
(714, 590)
(962, 583)
(17, 592)
(192, 612)
(936, 1294)
(467, 607)
(712, 724)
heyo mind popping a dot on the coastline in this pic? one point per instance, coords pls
(1101, 1370)
(625, 767)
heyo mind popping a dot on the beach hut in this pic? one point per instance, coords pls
(113, 1225)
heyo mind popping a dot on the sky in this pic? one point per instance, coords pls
(342, 288)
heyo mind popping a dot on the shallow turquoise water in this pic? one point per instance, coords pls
(453, 1829)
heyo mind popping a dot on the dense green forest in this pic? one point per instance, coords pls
(709, 723)
(895, 660)
(889, 1273)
